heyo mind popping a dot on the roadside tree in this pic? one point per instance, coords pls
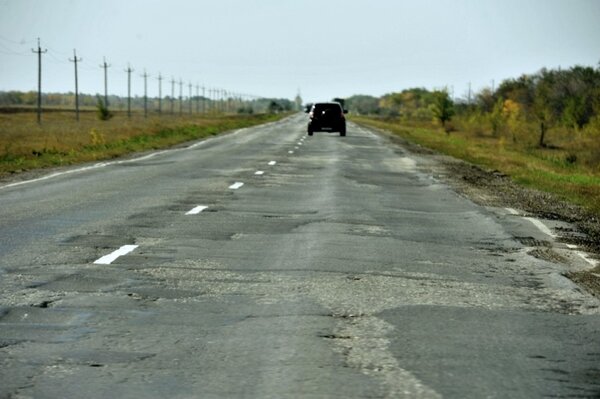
(442, 108)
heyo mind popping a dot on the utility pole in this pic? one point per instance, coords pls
(145, 76)
(203, 99)
(469, 95)
(129, 70)
(190, 97)
(160, 78)
(197, 98)
(75, 60)
(105, 66)
(215, 100)
(180, 97)
(39, 52)
(172, 95)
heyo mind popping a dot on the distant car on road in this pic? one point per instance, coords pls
(327, 117)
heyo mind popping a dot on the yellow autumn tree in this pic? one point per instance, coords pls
(511, 111)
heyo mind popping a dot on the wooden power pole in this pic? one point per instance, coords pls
(105, 66)
(39, 52)
(75, 60)
(129, 70)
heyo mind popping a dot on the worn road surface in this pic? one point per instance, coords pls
(268, 264)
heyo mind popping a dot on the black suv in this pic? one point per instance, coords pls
(327, 117)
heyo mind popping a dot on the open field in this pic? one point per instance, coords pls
(569, 168)
(61, 140)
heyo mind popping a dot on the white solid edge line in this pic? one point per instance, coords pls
(104, 164)
(110, 258)
(196, 210)
(541, 226)
(259, 172)
(272, 163)
(86, 168)
(236, 185)
(585, 257)
(544, 229)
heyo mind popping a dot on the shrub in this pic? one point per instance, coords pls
(103, 112)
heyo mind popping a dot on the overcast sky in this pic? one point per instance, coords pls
(272, 48)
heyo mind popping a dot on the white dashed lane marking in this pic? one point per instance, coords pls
(196, 210)
(290, 152)
(110, 258)
(272, 163)
(259, 172)
(236, 185)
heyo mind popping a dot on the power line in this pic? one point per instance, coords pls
(21, 42)
(10, 51)
(55, 59)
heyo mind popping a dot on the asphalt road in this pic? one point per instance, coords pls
(344, 269)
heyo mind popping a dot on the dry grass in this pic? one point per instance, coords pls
(61, 140)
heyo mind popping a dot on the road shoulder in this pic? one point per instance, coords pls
(575, 228)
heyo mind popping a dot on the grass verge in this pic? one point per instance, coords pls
(60, 140)
(545, 169)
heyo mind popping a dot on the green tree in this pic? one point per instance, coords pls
(443, 107)
(542, 110)
(363, 104)
(341, 101)
(485, 100)
(497, 117)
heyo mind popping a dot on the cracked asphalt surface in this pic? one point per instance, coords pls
(346, 269)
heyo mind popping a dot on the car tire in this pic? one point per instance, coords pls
(343, 132)
(310, 132)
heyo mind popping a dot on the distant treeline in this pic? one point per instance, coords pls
(118, 103)
(565, 98)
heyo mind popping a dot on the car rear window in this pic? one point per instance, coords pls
(323, 107)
